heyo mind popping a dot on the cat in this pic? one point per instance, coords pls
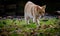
(34, 11)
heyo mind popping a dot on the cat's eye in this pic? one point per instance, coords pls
(39, 12)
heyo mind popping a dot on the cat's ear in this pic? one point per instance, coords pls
(44, 6)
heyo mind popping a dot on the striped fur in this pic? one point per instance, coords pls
(32, 10)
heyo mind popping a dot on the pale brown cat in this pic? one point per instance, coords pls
(34, 11)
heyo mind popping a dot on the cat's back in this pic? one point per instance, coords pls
(28, 5)
(28, 8)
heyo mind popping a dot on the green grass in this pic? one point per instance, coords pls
(15, 27)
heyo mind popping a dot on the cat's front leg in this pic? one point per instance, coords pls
(38, 21)
(27, 20)
(34, 20)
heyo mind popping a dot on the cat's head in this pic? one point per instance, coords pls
(41, 10)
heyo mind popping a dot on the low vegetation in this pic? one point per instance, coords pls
(17, 27)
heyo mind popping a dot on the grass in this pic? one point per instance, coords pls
(16, 27)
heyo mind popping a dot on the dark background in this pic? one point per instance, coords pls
(16, 7)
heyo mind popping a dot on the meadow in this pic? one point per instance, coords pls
(18, 27)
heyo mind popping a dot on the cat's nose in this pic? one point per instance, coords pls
(42, 16)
